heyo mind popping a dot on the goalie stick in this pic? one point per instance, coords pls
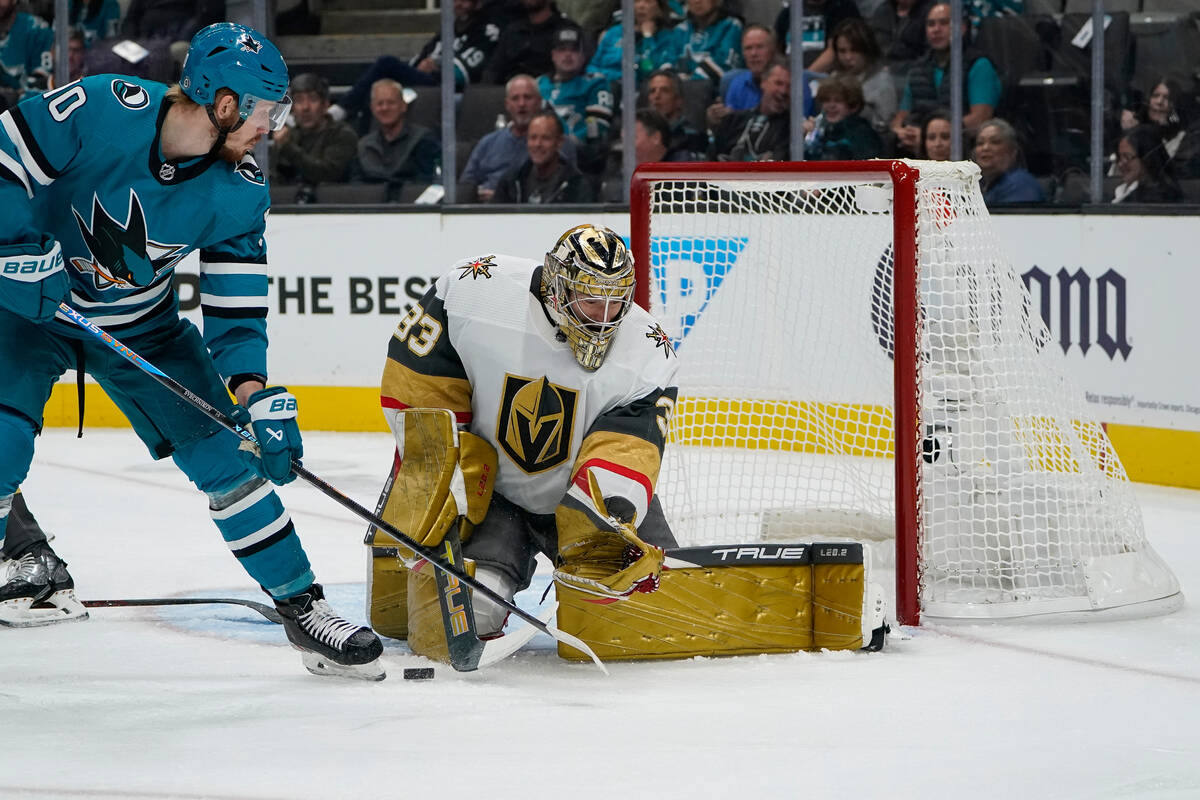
(324, 487)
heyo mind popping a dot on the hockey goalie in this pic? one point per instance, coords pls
(531, 402)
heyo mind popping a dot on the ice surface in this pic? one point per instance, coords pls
(210, 702)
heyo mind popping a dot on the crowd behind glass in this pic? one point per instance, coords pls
(538, 100)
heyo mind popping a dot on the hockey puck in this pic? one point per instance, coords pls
(418, 673)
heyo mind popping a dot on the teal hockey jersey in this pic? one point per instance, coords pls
(84, 163)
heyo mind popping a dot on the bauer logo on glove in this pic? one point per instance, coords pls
(270, 414)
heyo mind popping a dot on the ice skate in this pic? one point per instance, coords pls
(36, 589)
(329, 645)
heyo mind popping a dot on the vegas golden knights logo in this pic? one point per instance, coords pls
(536, 421)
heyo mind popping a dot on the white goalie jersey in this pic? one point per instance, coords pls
(481, 344)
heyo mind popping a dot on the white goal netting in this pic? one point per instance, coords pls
(777, 289)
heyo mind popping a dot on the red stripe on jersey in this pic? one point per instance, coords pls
(581, 480)
(460, 417)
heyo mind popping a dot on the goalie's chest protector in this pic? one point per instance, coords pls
(530, 398)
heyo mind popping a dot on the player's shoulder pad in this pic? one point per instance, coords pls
(644, 348)
(486, 281)
(491, 267)
(130, 94)
(651, 333)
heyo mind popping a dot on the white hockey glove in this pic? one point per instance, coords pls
(271, 415)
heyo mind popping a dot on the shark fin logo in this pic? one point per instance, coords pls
(130, 95)
(123, 255)
(249, 43)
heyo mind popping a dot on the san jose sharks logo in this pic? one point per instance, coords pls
(122, 254)
(478, 267)
(130, 95)
(249, 43)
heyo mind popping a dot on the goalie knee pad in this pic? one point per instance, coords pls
(426, 626)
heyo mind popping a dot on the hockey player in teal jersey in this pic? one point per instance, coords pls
(583, 102)
(26, 42)
(107, 183)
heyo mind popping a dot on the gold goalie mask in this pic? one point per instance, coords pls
(587, 285)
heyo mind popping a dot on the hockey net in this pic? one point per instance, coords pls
(859, 360)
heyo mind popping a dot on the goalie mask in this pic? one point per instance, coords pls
(587, 286)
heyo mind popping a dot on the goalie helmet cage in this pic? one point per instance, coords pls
(787, 288)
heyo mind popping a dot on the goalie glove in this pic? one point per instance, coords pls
(599, 554)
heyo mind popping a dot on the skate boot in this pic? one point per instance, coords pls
(328, 644)
(36, 589)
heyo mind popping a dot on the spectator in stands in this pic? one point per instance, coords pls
(928, 83)
(1180, 138)
(899, 27)
(654, 43)
(76, 55)
(476, 35)
(821, 18)
(664, 94)
(584, 102)
(652, 138)
(762, 134)
(546, 177)
(856, 55)
(840, 132)
(998, 155)
(708, 41)
(525, 43)
(1145, 174)
(96, 19)
(935, 136)
(317, 149)
(395, 152)
(497, 152)
(26, 45)
(740, 90)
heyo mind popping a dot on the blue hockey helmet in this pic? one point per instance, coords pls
(226, 55)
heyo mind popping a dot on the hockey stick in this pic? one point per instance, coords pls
(329, 491)
(262, 608)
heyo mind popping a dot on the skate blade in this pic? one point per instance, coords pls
(319, 665)
(62, 606)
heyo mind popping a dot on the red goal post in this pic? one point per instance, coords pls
(794, 292)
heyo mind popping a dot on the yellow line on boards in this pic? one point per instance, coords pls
(1150, 455)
